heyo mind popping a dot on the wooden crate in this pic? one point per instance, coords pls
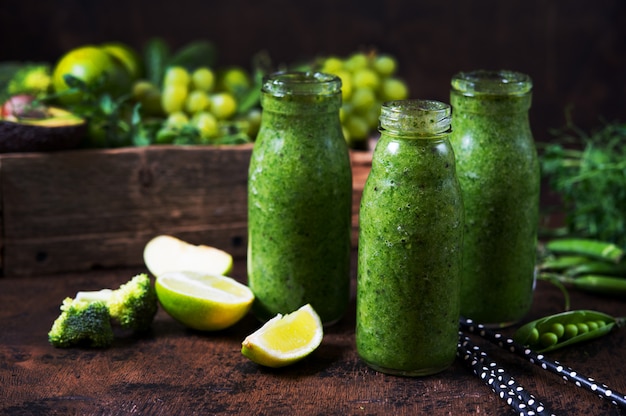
(87, 209)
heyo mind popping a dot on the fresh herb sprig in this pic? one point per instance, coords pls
(588, 171)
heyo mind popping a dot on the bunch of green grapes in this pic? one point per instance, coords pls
(368, 80)
(200, 106)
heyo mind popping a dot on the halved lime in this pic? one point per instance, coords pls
(202, 301)
(285, 339)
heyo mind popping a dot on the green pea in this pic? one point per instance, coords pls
(558, 329)
(593, 325)
(548, 339)
(533, 336)
(570, 331)
(600, 323)
(583, 328)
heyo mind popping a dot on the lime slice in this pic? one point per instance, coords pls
(285, 339)
(202, 301)
(165, 254)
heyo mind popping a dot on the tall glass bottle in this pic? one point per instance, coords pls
(498, 170)
(410, 237)
(300, 199)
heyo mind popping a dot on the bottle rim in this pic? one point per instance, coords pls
(492, 82)
(416, 116)
(301, 83)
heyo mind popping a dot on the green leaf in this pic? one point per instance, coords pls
(156, 55)
(202, 53)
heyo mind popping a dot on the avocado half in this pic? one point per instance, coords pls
(59, 130)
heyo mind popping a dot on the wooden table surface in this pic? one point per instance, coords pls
(173, 370)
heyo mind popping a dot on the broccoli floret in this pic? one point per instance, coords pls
(132, 306)
(82, 322)
(89, 318)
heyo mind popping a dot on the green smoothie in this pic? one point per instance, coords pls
(300, 199)
(409, 259)
(498, 170)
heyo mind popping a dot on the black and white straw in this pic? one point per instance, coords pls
(496, 378)
(568, 374)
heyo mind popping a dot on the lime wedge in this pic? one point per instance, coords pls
(202, 301)
(285, 339)
(165, 254)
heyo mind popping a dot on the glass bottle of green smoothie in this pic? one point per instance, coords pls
(410, 238)
(300, 199)
(498, 171)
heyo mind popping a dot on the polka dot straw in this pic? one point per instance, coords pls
(587, 383)
(498, 380)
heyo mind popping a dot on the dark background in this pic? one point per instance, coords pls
(575, 51)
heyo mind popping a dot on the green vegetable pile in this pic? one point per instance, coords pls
(588, 265)
(159, 95)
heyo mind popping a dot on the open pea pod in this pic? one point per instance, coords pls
(566, 328)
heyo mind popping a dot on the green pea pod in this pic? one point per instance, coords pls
(562, 263)
(552, 332)
(607, 285)
(597, 267)
(600, 250)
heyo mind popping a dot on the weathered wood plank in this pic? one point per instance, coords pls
(86, 209)
(97, 208)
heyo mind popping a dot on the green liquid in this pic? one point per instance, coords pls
(498, 171)
(299, 209)
(411, 224)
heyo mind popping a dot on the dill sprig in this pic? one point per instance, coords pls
(588, 172)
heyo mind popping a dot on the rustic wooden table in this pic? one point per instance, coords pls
(173, 370)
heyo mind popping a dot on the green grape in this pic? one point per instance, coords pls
(365, 78)
(142, 88)
(332, 65)
(372, 115)
(207, 124)
(166, 135)
(177, 120)
(149, 96)
(223, 105)
(385, 65)
(176, 75)
(173, 98)
(356, 61)
(362, 99)
(343, 113)
(346, 134)
(234, 80)
(197, 101)
(346, 84)
(394, 89)
(254, 122)
(357, 128)
(203, 79)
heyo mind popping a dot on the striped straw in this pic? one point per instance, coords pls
(568, 374)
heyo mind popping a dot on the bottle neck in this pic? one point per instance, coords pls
(418, 119)
(488, 92)
(490, 104)
(301, 93)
